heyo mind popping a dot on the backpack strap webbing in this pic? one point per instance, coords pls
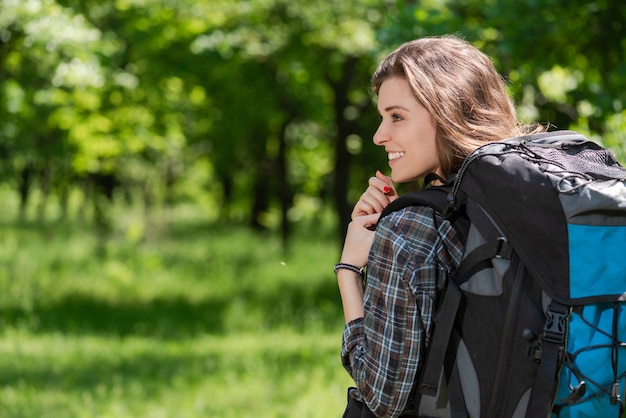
(435, 197)
(481, 258)
(443, 323)
(553, 341)
(427, 381)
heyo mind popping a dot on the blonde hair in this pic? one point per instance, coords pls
(461, 89)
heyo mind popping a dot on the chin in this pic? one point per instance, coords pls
(404, 179)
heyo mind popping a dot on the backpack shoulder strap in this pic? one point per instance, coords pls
(427, 380)
(435, 197)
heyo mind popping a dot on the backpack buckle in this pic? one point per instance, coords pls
(554, 332)
(556, 323)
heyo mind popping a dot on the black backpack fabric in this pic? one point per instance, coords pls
(532, 323)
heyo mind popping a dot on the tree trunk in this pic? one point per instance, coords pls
(342, 156)
(24, 187)
(227, 196)
(284, 187)
(45, 183)
(264, 170)
(261, 194)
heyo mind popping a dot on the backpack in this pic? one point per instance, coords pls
(532, 323)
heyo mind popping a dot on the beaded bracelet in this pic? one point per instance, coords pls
(351, 267)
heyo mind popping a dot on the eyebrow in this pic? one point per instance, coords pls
(393, 107)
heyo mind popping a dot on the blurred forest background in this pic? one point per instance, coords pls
(259, 110)
(176, 175)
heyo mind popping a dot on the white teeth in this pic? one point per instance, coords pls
(394, 155)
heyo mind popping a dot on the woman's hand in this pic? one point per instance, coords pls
(376, 197)
(359, 237)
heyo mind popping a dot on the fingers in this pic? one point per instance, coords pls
(386, 183)
(368, 221)
(371, 201)
(379, 193)
(366, 206)
(359, 239)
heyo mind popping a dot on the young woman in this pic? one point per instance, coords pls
(439, 99)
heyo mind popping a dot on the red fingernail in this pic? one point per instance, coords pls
(387, 189)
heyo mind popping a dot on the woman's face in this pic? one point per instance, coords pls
(407, 132)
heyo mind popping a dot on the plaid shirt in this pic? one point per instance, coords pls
(408, 263)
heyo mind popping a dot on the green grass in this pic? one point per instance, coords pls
(270, 374)
(168, 319)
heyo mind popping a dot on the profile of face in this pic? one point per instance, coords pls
(406, 131)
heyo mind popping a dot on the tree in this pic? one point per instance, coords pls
(564, 61)
(316, 55)
(259, 110)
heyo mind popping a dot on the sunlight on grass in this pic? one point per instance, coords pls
(196, 320)
(276, 374)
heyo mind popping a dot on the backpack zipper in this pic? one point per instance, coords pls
(475, 155)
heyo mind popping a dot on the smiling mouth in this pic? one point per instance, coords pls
(395, 155)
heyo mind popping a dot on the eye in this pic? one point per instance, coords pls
(396, 117)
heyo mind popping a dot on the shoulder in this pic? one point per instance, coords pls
(409, 220)
(411, 229)
(420, 230)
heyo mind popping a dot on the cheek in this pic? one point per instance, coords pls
(429, 145)
(425, 155)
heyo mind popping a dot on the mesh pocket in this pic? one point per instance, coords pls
(599, 163)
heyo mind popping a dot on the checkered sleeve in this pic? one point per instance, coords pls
(407, 265)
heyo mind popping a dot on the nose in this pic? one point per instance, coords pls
(381, 135)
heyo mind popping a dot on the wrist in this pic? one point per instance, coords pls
(351, 287)
(351, 267)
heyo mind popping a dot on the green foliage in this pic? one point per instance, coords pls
(268, 99)
(564, 62)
